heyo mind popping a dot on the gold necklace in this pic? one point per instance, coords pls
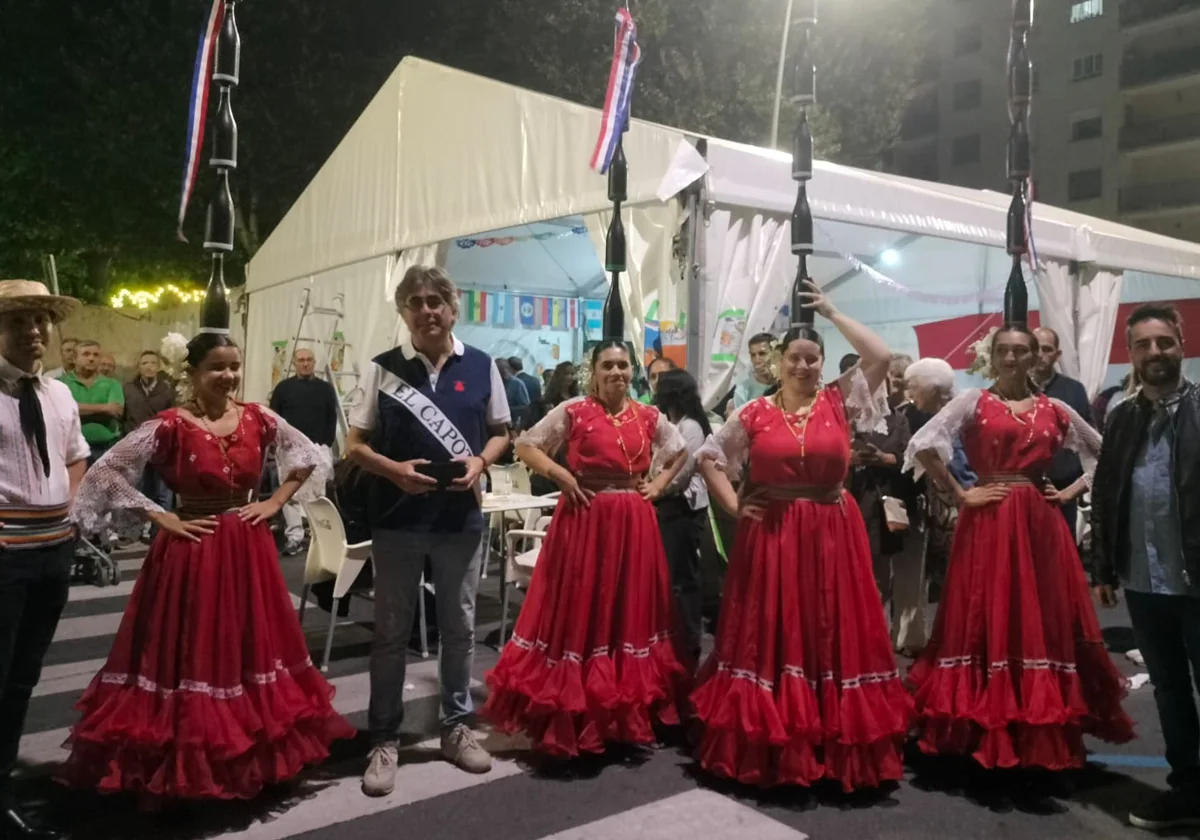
(804, 413)
(617, 424)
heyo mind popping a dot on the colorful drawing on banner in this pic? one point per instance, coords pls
(593, 314)
(338, 359)
(279, 361)
(527, 319)
(652, 342)
(731, 325)
(573, 314)
(673, 335)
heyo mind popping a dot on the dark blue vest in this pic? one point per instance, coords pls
(464, 388)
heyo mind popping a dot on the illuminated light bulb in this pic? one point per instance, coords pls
(890, 257)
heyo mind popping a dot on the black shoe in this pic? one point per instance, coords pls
(15, 826)
(1174, 809)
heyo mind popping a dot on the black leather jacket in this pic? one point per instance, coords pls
(1124, 431)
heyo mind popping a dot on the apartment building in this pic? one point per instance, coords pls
(1116, 111)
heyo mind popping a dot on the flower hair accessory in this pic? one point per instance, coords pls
(174, 350)
(982, 351)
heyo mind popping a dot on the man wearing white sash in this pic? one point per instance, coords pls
(428, 402)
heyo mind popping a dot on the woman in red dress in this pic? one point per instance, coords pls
(208, 691)
(802, 684)
(1016, 671)
(594, 656)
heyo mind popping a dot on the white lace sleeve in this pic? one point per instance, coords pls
(729, 446)
(295, 454)
(667, 443)
(549, 433)
(110, 486)
(868, 412)
(1082, 439)
(939, 434)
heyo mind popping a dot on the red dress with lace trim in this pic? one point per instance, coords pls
(593, 656)
(208, 691)
(802, 684)
(1016, 671)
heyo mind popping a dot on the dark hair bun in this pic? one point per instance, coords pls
(203, 344)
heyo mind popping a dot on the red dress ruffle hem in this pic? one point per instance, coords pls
(802, 684)
(209, 691)
(1016, 671)
(594, 657)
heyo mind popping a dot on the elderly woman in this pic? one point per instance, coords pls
(919, 570)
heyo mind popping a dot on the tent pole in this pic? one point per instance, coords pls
(693, 271)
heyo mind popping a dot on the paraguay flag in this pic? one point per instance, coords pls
(626, 56)
(198, 108)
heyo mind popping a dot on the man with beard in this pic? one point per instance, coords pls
(1065, 469)
(1146, 489)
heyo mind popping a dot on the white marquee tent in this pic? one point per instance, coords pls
(439, 155)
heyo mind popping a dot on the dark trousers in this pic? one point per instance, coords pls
(98, 452)
(33, 592)
(1167, 631)
(681, 529)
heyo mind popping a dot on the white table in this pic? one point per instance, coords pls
(504, 503)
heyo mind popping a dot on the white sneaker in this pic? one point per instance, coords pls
(1135, 656)
(380, 778)
(461, 749)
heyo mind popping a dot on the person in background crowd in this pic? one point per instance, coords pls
(562, 385)
(760, 379)
(108, 365)
(429, 402)
(311, 406)
(146, 396)
(657, 367)
(875, 459)
(533, 386)
(515, 392)
(44, 458)
(1066, 468)
(1145, 506)
(1110, 398)
(683, 507)
(67, 354)
(101, 400)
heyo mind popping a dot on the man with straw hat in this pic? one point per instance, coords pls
(43, 457)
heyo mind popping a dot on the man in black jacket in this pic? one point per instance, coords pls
(1145, 509)
(1065, 469)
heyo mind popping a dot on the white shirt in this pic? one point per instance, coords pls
(365, 415)
(688, 480)
(22, 479)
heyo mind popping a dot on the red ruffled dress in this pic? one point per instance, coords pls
(208, 691)
(595, 656)
(802, 684)
(1016, 671)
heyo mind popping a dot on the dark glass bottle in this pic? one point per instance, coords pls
(229, 49)
(214, 312)
(218, 231)
(225, 134)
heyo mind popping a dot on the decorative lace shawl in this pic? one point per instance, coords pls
(729, 446)
(109, 498)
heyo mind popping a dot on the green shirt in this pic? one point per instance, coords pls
(98, 429)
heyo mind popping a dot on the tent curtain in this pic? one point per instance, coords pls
(1099, 300)
(650, 275)
(749, 268)
(1056, 310)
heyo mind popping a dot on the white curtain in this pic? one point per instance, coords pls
(748, 268)
(651, 273)
(1056, 296)
(1099, 300)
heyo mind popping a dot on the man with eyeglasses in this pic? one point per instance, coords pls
(434, 417)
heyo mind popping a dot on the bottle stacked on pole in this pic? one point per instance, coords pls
(804, 97)
(1019, 166)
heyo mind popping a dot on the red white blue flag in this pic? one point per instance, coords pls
(626, 56)
(198, 107)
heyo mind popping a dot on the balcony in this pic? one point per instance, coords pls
(1168, 195)
(1160, 67)
(1160, 132)
(1136, 12)
(918, 124)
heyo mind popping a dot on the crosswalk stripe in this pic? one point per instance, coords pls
(71, 676)
(353, 695)
(105, 624)
(696, 813)
(86, 592)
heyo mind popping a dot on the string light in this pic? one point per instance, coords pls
(145, 298)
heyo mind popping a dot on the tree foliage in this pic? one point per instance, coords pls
(94, 107)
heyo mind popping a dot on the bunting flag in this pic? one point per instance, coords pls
(558, 314)
(626, 56)
(502, 311)
(543, 312)
(526, 311)
(573, 314)
(477, 307)
(198, 108)
(593, 315)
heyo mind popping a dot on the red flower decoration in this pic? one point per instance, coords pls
(458, 386)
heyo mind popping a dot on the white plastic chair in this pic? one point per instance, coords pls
(506, 480)
(330, 557)
(520, 565)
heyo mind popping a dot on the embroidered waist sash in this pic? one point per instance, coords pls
(35, 526)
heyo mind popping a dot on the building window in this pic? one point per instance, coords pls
(1084, 184)
(965, 149)
(968, 39)
(1087, 67)
(967, 95)
(1086, 10)
(1087, 128)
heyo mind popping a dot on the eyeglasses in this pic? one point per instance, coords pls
(418, 302)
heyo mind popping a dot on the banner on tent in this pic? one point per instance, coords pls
(503, 309)
(491, 241)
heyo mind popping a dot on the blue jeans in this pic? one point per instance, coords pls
(399, 561)
(156, 490)
(1167, 631)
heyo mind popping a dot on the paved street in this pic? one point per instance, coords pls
(651, 794)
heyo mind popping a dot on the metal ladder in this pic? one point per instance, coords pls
(335, 350)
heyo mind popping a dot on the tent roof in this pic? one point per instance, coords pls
(760, 179)
(439, 154)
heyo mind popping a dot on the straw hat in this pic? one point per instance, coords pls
(24, 295)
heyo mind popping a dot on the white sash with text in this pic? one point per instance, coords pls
(427, 414)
